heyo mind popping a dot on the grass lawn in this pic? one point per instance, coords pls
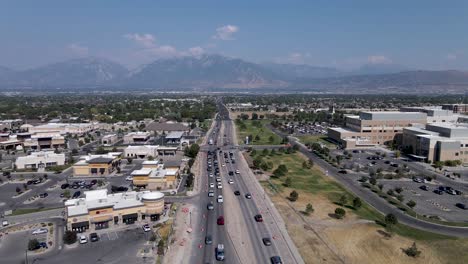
(266, 136)
(316, 138)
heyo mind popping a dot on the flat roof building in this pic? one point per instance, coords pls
(139, 137)
(41, 159)
(100, 210)
(156, 176)
(97, 165)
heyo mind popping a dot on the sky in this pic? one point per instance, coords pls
(343, 34)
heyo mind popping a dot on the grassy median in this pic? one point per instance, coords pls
(261, 135)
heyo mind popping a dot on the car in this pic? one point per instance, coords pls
(220, 199)
(458, 192)
(343, 171)
(210, 194)
(230, 181)
(43, 245)
(220, 186)
(461, 206)
(129, 178)
(29, 182)
(387, 162)
(211, 175)
(146, 228)
(248, 196)
(237, 193)
(266, 241)
(93, 237)
(237, 172)
(231, 173)
(218, 179)
(418, 180)
(210, 206)
(65, 185)
(40, 231)
(220, 220)
(233, 161)
(62, 195)
(211, 185)
(83, 239)
(219, 252)
(439, 192)
(43, 195)
(258, 218)
(276, 260)
(76, 194)
(424, 188)
(93, 182)
(75, 186)
(451, 191)
(5, 223)
(208, 240)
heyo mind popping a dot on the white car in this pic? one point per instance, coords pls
(40, 231)
(218, 179)
(230, 181)
(83, 239)
(224, 165)
(146, 228)
(237, 172)
(129, 178)
(211, 194)
(220, 199)
(211, 185)
(211, 175)
(220, 186)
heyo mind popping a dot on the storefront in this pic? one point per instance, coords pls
(80, 226)
(130, 218)
(102, 222)
(154, 217)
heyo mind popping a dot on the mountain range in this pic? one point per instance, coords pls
(211, 72)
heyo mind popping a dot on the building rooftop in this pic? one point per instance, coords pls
(175, 135)
(100, 160)
(156, 126)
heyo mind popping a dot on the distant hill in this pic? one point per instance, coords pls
(206, 71)
(72, 73)
(219, 73)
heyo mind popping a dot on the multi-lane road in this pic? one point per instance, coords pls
(241, 235)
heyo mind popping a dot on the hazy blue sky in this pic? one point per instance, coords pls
(346, 34)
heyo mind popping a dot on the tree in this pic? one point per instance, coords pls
(398, 189)
(129, 160)
(161, 247)
(69, 237)
(293, 196)
(66, 194)
(150, 157)
(390, 221)
(400, 197)
(257, 162)
(265, 152)
(257, 137)
(253, 153)
(254, 116)
(357, 203)
(271, 139)
(288, 182)
(380, 185)
(33, 244)
(343, 200)
(397, 154)
(25, 186)
(18, 190)
(309, 209)
(412, 251)
(411, 203)
(372, 181)
(306, 165)
(192, 151)
(189, 181)
(340, 213)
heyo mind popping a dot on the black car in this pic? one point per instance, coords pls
(276, 260)
(237, 193)
(343, 171)
(231, 173)
(76, 194)
(266, 241)
(461, 206)
(424, 188)
(43, 195)
(439, 192)
(93, 182)
(29, 182)
(93, 237)
(65, 185)
(248, 196)
(208, 240)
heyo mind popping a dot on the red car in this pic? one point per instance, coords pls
(220, 220)
(258, 218)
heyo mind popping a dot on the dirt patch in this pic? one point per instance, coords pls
(323, 239)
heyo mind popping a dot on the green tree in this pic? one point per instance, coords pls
(271, 139)
(293, 196)
(357, 203)
(129, 160)
(340, 213)
(412, 251)
(288, 182)
(265, 152)
(33, 244)
(411, 203)
(69, 237)
(309, 209)
(150, 157)
(343, 200)
(372, 181)
(390, 221)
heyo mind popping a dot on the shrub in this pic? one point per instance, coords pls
(412, 251)
(293, 196)
(69, 237)
(33, 244)
(340, 213)
(357, 203)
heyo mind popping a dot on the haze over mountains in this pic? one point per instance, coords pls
(219, 73)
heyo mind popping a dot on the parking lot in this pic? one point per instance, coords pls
(398, 176)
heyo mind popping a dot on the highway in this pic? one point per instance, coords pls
(241, 234)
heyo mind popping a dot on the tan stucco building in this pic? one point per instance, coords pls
(155, 176)
(100, 210)
(97, 165)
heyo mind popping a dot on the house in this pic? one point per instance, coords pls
(42, 159)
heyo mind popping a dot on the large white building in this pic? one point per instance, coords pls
(63, 128)
(136, 137)
(141, 151)
(109, 140)
(42, 159)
